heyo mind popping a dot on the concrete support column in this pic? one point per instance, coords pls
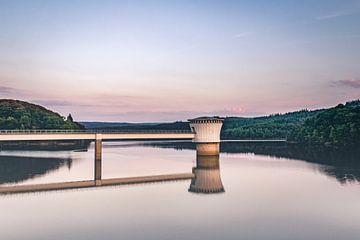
(98, 159)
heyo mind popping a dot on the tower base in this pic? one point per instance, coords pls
(207, 149)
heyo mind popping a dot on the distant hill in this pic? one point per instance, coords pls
(136, 126)
(276, 126)
(16, 114)
(109, 125)
(338, 126)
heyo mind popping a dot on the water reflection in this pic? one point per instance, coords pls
(15, 169)
(344, 166)
(46, 145)
(266, 198)
(207, 175)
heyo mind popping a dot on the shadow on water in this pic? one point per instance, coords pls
(342, 165)
(15, 169)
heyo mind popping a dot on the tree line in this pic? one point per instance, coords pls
(337, 127)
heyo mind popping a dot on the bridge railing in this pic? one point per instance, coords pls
(89, 131)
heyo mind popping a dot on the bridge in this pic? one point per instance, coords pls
(205, 133)
(39, 135)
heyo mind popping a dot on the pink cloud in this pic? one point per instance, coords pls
(4, 89)
(354, 83)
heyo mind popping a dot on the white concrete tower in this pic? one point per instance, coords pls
(207, 134)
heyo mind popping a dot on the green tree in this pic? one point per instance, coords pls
(69, 118)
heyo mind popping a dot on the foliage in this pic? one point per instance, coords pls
(179, 125)
(276, 126)
(15, 114)
(337, 127)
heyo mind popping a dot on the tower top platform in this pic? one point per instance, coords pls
(214, 119)
(206, 129)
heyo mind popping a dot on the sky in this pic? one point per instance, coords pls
(154, 61)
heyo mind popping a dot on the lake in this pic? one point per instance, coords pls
(252, 191)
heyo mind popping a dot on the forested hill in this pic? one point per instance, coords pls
(123, 126)
(15, 114)
(276, 126)
(338, 126)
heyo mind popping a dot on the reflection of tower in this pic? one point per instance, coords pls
(207, 135)
(207, 175)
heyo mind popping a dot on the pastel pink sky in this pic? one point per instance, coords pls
(121, 61)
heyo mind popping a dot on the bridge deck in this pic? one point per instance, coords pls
(30, 135)
(97, 183)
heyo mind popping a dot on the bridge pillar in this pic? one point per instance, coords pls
(207, 135)
(98, 159)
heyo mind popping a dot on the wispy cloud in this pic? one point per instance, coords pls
(91, 100)
(332, 15)
(293, 43)
(56, 103)
(4, 89)
(354, 83)
(244, 34)
(230, 111)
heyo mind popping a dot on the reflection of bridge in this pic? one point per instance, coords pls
(95, 183)
(205, 178)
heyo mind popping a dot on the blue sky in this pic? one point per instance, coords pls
(172, 60)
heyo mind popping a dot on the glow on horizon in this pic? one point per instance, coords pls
(163, 61)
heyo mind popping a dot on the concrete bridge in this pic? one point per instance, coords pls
(41, 135)
(205, 133)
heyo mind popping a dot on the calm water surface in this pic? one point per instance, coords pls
(270, 192)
